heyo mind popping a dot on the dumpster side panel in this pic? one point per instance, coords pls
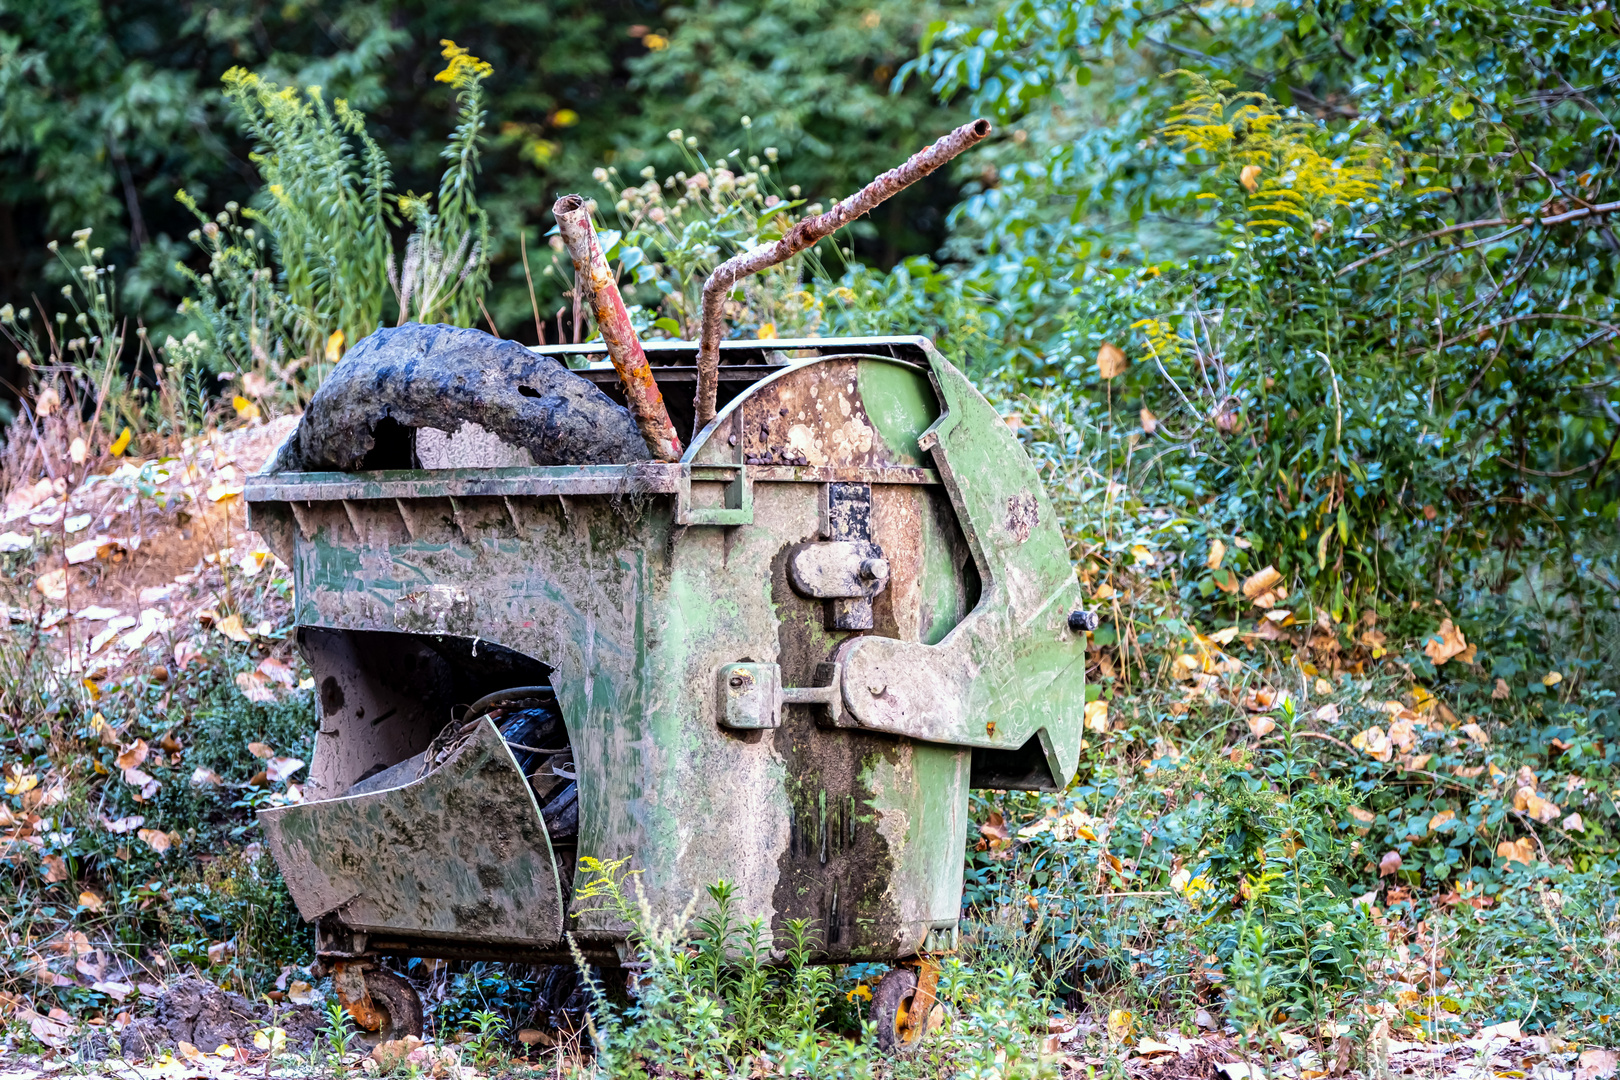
(461, 854)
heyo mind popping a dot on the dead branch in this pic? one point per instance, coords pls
(591, 273)
(1485, 223)
(801, 236)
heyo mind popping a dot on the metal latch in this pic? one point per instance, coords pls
(847, 569)
(752, 695)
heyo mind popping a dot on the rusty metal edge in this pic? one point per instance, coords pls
(701, 439)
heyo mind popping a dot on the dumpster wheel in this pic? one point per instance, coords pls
(904, 1009)
(382, 1005)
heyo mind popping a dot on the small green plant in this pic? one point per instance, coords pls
(488, 1028)
(338, 1036)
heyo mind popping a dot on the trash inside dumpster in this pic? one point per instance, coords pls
(782, 660)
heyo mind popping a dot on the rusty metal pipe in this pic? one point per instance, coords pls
(802, 236)
(591, 271)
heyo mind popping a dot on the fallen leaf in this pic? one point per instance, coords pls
(1146, 1047)
(281, 768)
(1217, 552)
(1522, 850)
(202, 777)
(231, 627)
(1527, 801)
(124, 824)
(1111, 361)
(118, 991)
(156, 839)
(1476, 734)
(1501, 692)
(1447, 642)
(302, 993)
(260, 750)
(1444, 817)
(1261, 581)
(1328, 713)
(1552, 678)
(90, 901)
(1250, 178)
(78, 450)
(1374, 743)
(1120, 1025)
(1150, 423)
(52, 586)
(1261, 725)
(994, 827)
(272, 1039)
(1225, 635)
(255, 687)
(132, 756)
(1573, 823)
(1595, 1064)
(278, 671)
(1390, 863)
(1096, 715)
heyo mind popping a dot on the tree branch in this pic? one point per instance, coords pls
(803, 235)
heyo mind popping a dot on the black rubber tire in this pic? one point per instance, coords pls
(398, 1001)
(891, 1004)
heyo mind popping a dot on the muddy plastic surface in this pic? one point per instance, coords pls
(417, 376)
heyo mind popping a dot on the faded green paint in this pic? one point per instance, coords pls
(901, 406)
(587, 571)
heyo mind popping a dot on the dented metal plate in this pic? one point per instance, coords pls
(461, 854)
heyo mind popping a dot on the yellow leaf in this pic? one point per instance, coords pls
(1111, 361)
(1224, 635)
(90, 901)
(1097, 715)
(1552, 678)
(121, 443)
(334, 347)
(231, 627)
(20, 783)
(767, 332)
(1120, 1024)
(1441, 818)
(1249, 178)
(245, 409)
(1217, 552)
(1261, 726)
(1150, 423)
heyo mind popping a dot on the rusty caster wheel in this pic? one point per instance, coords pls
(904, 1009)
(383, 1006)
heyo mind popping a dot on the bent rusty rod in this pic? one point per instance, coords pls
(801, 236)
(591, 270)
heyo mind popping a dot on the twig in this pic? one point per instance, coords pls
(539, 330)
(803, 235)
(1487, 223)
(593, 278)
